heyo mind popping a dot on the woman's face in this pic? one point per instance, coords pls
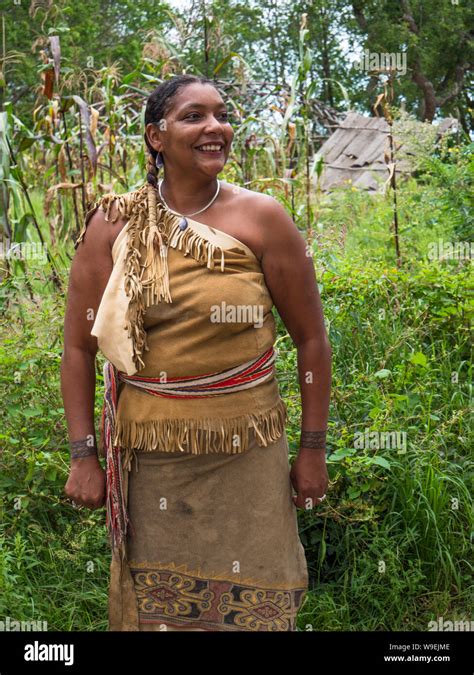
(197, 117)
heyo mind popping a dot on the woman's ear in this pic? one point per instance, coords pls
(152, 132)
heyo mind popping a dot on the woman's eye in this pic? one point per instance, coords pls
(194, 116)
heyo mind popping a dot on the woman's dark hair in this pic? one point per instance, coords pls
(158, 105)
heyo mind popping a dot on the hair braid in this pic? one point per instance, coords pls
(152, 170)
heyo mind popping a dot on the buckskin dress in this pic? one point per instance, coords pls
(211, 539)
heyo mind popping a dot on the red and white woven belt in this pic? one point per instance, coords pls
(241, 377)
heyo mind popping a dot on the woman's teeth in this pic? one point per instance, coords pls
(210, 148)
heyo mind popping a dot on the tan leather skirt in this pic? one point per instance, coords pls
(215, 544)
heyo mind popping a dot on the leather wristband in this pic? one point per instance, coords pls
(313, 439)
(85, 447)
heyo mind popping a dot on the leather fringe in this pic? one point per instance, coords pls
(151, 229)
(169, 435)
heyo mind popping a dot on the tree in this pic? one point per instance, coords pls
(438, 43)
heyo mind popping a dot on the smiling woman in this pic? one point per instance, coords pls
(196, 124)
(203, 532)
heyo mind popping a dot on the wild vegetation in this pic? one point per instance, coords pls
(390, 548)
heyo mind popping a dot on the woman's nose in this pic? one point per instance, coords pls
(212, 123)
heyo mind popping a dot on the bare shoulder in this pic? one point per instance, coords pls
(99, 232)
(239, 196)
(267, 211)
(115, 227)
(272, 224)
(91, 268)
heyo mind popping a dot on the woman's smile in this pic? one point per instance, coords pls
(211, 149)
(212, 154)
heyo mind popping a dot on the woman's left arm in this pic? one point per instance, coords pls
(291, 279)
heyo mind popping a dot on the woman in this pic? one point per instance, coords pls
(203, 530)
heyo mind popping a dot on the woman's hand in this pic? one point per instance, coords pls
(309, 477)
(86, 482)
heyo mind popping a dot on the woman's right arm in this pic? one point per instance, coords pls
(90, 271)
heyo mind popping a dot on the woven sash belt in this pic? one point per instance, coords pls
(241, 377)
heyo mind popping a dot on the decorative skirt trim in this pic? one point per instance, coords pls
(166, 594)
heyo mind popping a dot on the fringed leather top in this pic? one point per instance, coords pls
(185, 300)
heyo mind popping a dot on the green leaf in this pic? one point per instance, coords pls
(322, 550)
(307, 60)
(32, 412)
(340, 454)
(418, 359)
(381, 461)
(381, 374)
(51, 474)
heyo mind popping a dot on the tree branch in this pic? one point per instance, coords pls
(408, 17)
(359, 14)
(456, 87)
